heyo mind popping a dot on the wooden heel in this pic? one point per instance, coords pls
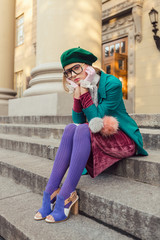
(75, 208)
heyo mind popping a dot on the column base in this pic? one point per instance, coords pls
(57, 104)
(5, 95)
(46, 79)
(3, 108)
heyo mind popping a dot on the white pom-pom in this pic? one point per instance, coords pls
(96, 124)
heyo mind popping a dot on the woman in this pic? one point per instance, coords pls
(96, 94)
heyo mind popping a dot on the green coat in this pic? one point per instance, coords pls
(110, 103)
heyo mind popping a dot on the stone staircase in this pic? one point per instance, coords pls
(121, 203)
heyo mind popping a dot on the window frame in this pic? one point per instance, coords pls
(124, 39)
(19, 42)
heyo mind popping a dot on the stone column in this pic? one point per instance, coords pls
(7, 10)
(60, 25)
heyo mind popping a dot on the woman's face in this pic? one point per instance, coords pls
(75, 72)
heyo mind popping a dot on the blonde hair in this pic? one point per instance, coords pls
(97, 69)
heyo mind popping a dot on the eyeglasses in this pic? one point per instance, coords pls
(77, 69)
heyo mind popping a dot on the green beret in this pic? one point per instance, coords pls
(77, 55)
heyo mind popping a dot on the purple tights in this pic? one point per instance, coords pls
(73, 152)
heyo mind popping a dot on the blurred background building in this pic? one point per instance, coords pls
(34, 33)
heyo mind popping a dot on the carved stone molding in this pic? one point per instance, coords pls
(118, 25)
(137, 16)
(121, 7)
(134, 16)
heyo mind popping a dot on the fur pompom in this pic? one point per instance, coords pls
(96, 124)
(110, 126)
(106, 126)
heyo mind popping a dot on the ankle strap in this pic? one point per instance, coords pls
(55, 193)
(72, 198)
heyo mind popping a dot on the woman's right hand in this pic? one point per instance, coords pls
(72, 87)
(73, 84)
(77, 92)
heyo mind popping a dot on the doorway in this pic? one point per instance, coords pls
(115, 61)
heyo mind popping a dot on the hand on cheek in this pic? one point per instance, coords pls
(90, 74)
(77, 92)
(73, 84)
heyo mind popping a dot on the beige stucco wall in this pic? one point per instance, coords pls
(6, 43)
(25, 53)
(147, 89)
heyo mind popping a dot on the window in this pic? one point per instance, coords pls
(123, 47)
(19, 30)
(115, 55)
(118, 46)
(18, 84)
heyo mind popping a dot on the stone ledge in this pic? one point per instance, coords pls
(59, 104)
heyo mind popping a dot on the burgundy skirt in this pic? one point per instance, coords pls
(108, 150)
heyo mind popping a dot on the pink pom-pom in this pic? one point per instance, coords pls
(110, 126)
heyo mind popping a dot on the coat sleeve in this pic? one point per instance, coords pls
(78, 117)
(110, 103)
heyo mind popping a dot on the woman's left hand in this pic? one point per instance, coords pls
(90, 74)
(86, 83)
(77, 92)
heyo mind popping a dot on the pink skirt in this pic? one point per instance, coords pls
(108, 150)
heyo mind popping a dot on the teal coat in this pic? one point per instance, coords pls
(110, 103)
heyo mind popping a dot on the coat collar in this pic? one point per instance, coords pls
(102, 86)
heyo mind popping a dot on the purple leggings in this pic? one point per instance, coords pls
(73, 152)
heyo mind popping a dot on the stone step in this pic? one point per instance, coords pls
(144, 169)
(36, 119)
(43, 131)
(35, 146)
(147, 120)
(18, 206)
(151, 137)
(143, 120)
(130, 206)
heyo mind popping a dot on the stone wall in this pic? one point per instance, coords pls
(147, 91)
(24, 59)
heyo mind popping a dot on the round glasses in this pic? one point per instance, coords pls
(77, 69)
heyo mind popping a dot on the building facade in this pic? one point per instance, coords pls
(118, 32)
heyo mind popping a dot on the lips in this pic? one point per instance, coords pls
(76, 79)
